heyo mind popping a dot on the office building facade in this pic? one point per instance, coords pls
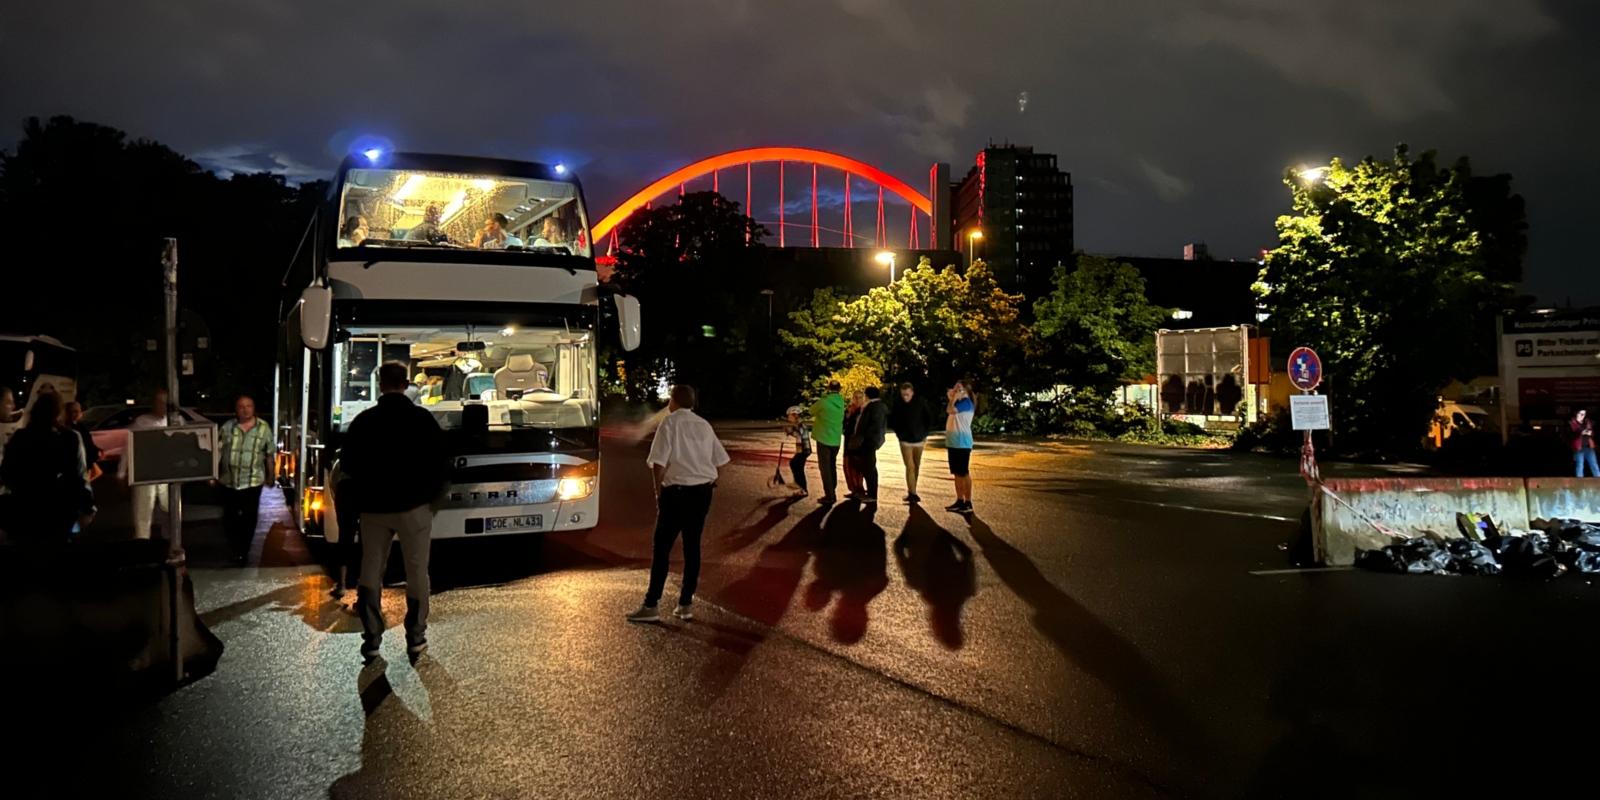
(1021, 201)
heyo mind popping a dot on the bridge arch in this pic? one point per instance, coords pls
(736, 158)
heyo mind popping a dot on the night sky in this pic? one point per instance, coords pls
(1176, 119)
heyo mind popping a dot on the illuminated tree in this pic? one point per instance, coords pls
(1393, 271)
(1096, 328)
(931, 327)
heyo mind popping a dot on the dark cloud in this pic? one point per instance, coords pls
(1177, 119)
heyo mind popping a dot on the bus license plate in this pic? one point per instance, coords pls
(527, 522)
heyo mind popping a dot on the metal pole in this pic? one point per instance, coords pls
(175, 555)
(770, 343)
(169, 263)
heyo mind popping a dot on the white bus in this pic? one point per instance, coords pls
(496, 322)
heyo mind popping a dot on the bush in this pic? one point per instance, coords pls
(1272, 434)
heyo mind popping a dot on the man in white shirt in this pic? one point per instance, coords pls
(684, 459)
(147, 497)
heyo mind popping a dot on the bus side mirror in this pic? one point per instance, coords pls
(628, 320)
(316, 315)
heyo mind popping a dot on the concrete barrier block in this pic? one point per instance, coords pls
(1409, 506)
(1564, 498)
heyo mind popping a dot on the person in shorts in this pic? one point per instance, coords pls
(958, 444)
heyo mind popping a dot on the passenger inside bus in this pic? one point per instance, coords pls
(494, 234)
(406, 208)
(550, 234)
(354, 231)
(428, 230)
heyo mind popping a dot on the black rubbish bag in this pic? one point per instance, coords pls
(1527, 556)
(1419, 556)
(1586, 561)
(1384, 559)
(1472, 558)
(1569, 530)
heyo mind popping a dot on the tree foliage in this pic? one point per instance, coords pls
(84, 208)
(931, 327)
(1393, 270)
(1096, 328)
(702, 312)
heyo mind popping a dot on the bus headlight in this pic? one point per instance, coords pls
(575, 488)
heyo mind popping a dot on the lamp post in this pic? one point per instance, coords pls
(887, 259)
(973, 237)
(768, 293)
(770, 347)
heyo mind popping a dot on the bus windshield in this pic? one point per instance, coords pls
(30, 362)
(527, 377)
(401, 208)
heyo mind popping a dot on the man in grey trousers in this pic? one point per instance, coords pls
(395, 454)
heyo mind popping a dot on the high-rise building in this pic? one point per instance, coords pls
(1022, 203)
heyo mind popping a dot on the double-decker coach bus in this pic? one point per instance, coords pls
(478, 275)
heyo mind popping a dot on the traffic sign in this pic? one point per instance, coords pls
(1305, 369)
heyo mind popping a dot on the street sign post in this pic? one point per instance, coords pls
(1307, 412)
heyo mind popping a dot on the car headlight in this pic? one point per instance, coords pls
(575, 488)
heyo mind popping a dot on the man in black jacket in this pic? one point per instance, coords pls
(396, 453)
(911, 420)
(871, 427)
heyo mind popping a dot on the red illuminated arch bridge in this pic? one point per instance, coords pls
(716, 165)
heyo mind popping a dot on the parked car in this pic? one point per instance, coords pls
(111, 432)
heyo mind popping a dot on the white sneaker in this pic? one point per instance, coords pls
(685, 613)
(644, 614)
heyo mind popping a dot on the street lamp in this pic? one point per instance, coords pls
(886, 258)
(769, 293)
(1313, 174)
(973, 237)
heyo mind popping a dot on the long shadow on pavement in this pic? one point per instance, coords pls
(776, 510)
(398, 748)
(939, 567)
(1084, 640)
(852, 565)
(764, 595)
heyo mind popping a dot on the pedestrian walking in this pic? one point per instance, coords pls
(91, 453)
(684, 462)
(1583, 443)
(43, 472)
(959, 410)
(911, 419)
(827, 430)
(247, 453)
(866, 439)
(395, 453)
(854, 486)
(799, 433)
(147, 497)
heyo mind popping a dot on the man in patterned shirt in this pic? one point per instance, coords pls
(247, 455)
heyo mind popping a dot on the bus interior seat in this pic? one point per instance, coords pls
(521, 372)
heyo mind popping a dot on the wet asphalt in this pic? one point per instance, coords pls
(1113, 621)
